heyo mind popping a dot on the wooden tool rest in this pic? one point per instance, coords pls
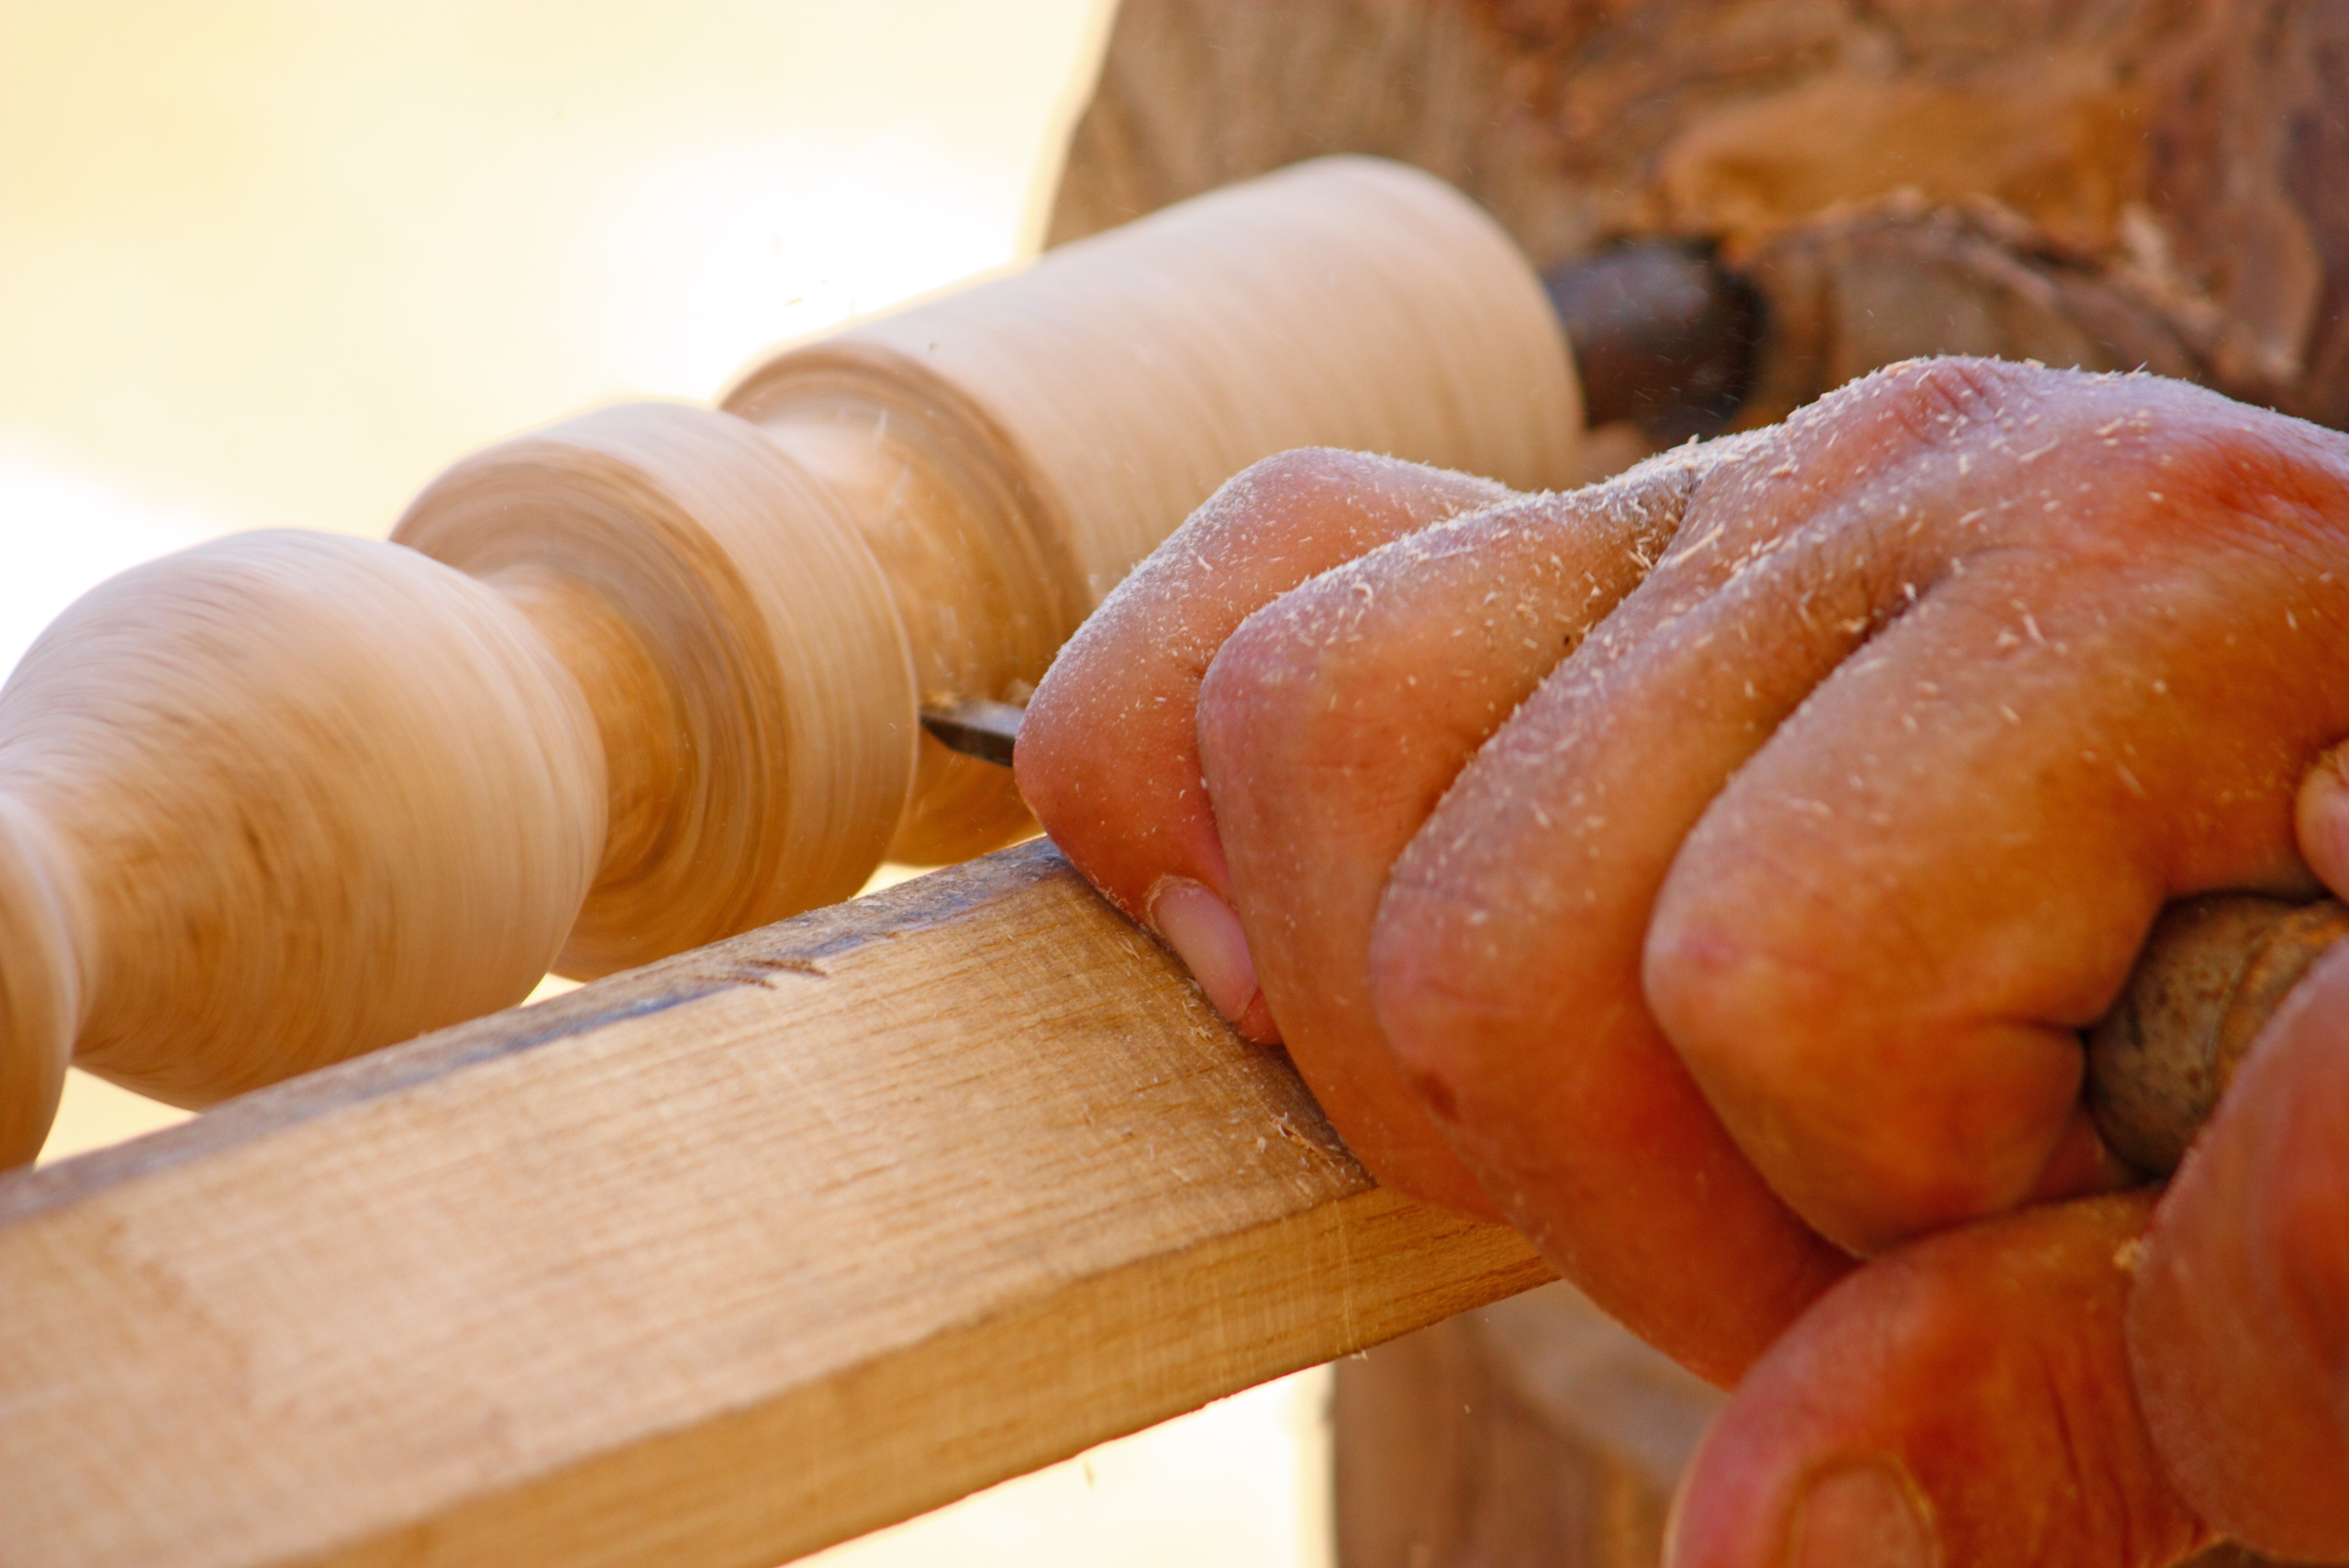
(706, 1265)
(650, 677)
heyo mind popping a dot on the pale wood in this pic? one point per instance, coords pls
(1533, 1430)
(712, 1264)
(1017, 448)
(214, 847)
(285, 801)
(737, 643)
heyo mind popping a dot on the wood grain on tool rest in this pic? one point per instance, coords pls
(713, 1262)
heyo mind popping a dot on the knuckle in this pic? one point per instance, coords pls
(1926, 402)
(1960, 384)
(1294, 684)
(1051, 751)
(1432, 995)
(1720, 993)
(1289, 479)
(1683, 966)
(1258, 701)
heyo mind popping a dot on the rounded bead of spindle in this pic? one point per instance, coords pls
(276, 800)
(737, 643)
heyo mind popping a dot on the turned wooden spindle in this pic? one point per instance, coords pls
(650, 676)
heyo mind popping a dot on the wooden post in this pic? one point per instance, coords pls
(714, 1262)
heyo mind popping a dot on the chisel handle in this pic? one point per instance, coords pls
(2213, 971)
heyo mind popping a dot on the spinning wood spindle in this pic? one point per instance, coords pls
(650, 677)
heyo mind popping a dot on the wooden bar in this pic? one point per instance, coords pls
(714, 1262)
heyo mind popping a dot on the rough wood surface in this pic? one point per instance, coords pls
(2158, 181)
(1534, 1430)
(710, 1263)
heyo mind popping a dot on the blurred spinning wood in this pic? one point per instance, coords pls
(650, 676)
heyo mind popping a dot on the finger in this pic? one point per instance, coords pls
(1965, 1401)
(1332, 721)
(1506, 956)
(1876, 948)
(2320, 819)
(1571, 816)
(1107, 756)
(2239, 1326)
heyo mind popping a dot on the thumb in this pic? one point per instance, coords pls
(1965, 1400)
(2239, 1328)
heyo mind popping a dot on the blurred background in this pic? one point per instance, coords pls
(274, 266)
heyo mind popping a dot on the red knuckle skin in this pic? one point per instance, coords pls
(1875, 990)
(1805, 534)
(1594, 1141)
(1879, 1109)
(2239, 1327)
(1984, 1369)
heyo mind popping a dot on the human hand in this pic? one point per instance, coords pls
(1857, 805)
(1434, 608)
(2062, 1385)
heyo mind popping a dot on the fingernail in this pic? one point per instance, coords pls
(2320, 815)
(1862, 1515)
(1206, 935)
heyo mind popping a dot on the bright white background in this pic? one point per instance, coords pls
(274, 266)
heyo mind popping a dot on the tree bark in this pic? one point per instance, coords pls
(2105, 183)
